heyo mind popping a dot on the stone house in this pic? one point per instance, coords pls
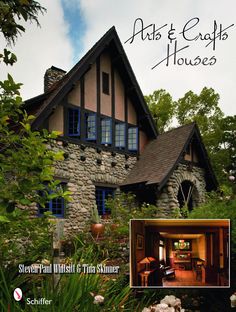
(110, 141)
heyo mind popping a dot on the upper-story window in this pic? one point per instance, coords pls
(106, 130)
(74, 122)
(56, 205)
(89, 126)
(120, 135)
(105, 83)
(90, 119)
(133, 139)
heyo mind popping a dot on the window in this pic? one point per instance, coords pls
(161, 250)
(90, 119)
(105, 83)
(102, 194)
(73, 122)
(120, 135)
(55, 205)
(106, 131)
(133, 139)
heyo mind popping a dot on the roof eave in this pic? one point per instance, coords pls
(79, 70)
(209, 167)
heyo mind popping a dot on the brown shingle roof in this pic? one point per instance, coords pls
(160, 156)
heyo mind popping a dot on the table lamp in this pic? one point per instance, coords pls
(147, 261)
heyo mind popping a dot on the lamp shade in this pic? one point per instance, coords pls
(147, 260)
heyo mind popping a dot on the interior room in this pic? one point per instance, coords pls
(179, 253)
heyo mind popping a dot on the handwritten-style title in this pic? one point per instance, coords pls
(189, 34)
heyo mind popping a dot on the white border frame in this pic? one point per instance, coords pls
(173, 287)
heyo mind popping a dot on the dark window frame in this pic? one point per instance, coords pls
(118, 134)
(90, 114)
(130, 137)
(73, 133)
(102, 194)
(53, 204)
(80, 136)
(105, 83)
(105, 118)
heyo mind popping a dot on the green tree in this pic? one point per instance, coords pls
(225, 153)
(162, 107)
(26, 161)
(218, 132)
(12, 12)
(204, 109)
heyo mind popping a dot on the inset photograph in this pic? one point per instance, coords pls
(179, 253)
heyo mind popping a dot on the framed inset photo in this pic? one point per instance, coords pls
(139, 241)
(197, 252)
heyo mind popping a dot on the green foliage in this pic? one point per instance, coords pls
(9, 280)
(13, 12)
(74, 292)
(225, 153)
(26, 157)
(162, 108)
(86, 249)
(124, 207)
(24, 239)
(218, 132)
(8, 57)
(218, 208)
(95, 218)
(202, 108)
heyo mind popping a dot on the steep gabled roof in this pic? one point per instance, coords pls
(109, 40)
(161, 156)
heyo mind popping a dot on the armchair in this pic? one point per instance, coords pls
(167, 271)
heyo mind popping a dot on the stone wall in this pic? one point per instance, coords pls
(167, 201)
(83, 170)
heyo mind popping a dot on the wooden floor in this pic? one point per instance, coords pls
(184, 278)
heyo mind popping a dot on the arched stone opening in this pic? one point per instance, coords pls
(168, 199)
(188, 195)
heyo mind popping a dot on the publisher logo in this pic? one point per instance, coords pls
(17, 294)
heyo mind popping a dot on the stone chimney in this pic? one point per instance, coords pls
(52, 75)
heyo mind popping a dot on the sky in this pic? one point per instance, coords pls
(202, 32)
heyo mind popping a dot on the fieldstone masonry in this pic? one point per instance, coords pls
(52, 75)
(83, 169)
(86, 167)
(168, 201)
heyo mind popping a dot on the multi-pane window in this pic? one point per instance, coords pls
(120, 135)
(105, 83)
(73, 122)
(102, 194)
(106, 137)
(55, 205)
(90, 119)
(90, 127)
(133, 139)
